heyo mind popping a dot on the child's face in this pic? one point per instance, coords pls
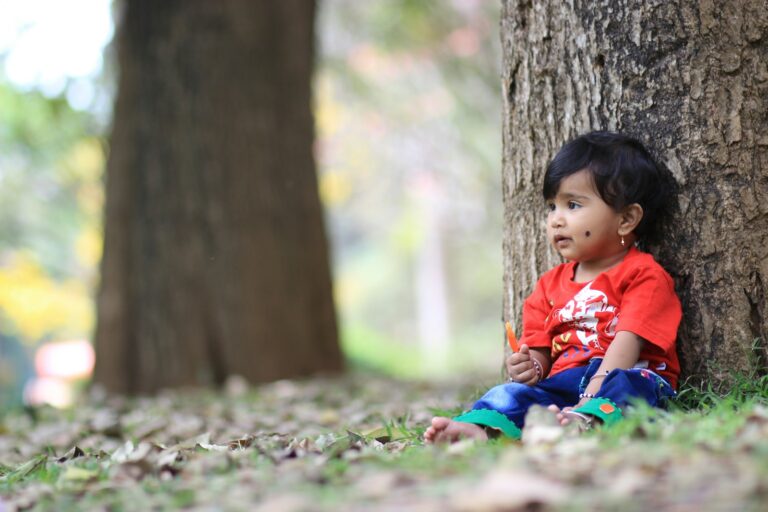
(580, 225)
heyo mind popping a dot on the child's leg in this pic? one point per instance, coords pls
(513, 400)
(504, 407)
(620, 388)
(625, 386)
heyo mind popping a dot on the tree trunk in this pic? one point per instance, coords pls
(689, 78)
(215, 259)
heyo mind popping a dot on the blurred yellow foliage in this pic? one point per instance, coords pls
(328, 113)
(84, 165)
(37, 305)
(85, 161)
(335, 188)
(347, 289)
(88, 246)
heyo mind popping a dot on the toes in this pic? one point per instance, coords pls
(447, 436)
(561, 418)
(440, 438)
(436, 432)
(440, 422)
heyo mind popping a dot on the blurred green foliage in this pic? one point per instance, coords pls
(51, 197)
(408, 113)
(15, 369)
(408, 117)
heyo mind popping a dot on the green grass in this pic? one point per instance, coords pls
(704, 414)
(737, 387)
(719, 424)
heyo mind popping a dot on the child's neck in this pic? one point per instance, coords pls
(588, 270)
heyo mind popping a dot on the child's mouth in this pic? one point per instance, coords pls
(561, 240)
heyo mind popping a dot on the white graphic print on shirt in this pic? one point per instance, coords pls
(581, 313)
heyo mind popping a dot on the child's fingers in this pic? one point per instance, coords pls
(532, 376)
(522, 372)
(527, 377)
(518, 365)
(524, 349)
(519, 357)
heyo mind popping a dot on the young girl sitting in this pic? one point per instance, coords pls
(598, 331)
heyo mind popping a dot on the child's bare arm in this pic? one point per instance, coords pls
(624, 352)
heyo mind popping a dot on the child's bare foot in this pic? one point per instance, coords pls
(560, 413)
(566, 415)
(445, 430)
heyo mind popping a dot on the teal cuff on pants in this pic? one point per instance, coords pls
(602, 408)
(491, 418)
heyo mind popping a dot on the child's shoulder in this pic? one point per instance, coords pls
(644, 260)
(639, 263)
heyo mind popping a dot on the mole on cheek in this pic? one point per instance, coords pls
(587, 233)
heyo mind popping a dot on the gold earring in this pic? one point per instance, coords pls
(622, 241)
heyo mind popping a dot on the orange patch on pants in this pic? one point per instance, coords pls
(607, 408)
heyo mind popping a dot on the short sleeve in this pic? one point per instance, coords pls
(650, 308)
(536, 309)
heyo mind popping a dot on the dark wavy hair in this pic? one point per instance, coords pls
(623, 172)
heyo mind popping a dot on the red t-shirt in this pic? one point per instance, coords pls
(578, 321)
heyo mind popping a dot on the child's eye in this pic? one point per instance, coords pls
(550, 207)
(572, 205)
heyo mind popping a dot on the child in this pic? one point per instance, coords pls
(598, 331)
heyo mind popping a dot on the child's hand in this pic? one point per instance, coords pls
(520, 367)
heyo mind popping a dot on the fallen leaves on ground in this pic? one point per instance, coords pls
(354, 443)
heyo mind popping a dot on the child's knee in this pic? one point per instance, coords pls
(504, 397)
(624, 386)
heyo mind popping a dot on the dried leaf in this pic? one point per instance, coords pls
(168, 458)
(338, 447)
(193, 442)
(628, 481)
(148, 428)
(284, 503)
(242, 443)
(508, 490)
(106, 422)
(132, 471)
(73, 453)
(73, 474)
(380, 484)
(387, 434)
(121, 454)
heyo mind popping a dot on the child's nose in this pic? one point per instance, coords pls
(555, 219)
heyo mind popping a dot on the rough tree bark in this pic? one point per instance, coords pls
(689, 77)
(215, 260)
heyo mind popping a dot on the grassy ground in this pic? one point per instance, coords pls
(354, 444)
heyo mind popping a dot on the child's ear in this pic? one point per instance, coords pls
(630, 217)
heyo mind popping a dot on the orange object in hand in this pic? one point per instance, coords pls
(511, 338)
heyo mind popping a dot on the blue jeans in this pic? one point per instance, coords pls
(563, 389)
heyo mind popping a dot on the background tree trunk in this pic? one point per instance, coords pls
(215, 260)
(688, 77)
